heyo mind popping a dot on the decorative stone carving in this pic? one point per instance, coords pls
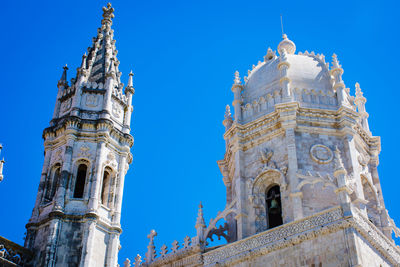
(66, 105)
(58, 154)
(116, 110)
(321, 154)
(84, 151)
(91, 100)
(278, 238)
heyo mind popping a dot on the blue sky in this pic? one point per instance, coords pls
(183, 54)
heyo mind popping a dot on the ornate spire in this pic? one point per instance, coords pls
(63, 80)
(286, 45)
(101, 59)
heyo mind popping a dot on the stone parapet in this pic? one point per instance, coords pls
(12, 254)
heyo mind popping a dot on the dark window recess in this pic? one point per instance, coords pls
(105, 189)
(80, 181)
(274, 207)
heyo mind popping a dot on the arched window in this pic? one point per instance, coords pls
(51, 186)
(273, 207)
(105, 190)
(80, 181)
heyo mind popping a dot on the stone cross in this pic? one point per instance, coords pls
(175, 246)
(138, 260)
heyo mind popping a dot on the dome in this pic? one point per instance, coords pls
(306, 71)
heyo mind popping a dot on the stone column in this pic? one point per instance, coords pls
(109, 87)
(42, 184)
(112, 250)
(295, 195)
(88, 243)
(52, 239)
(243, 228)
(384, 218)
(97, 177)
(119, 190)
(66, 173)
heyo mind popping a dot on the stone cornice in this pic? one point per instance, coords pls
(96, 128)
(307, 119)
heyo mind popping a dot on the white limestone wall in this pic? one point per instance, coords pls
(329, 250)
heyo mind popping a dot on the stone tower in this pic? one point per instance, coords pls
(299, 144)
(76, 218)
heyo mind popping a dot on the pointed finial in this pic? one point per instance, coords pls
(237, 78)
(335, 62)
(127, 263)
(130, 81)
(200, 218)
(63, 79)
(83, 64)
(108, 14)
(270, 54)
(359, 93)
(138, 260)
(227, 112)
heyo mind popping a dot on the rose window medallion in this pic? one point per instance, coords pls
(321, 154)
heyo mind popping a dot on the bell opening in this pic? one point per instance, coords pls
(274, 207)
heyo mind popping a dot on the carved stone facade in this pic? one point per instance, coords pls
(300, 169)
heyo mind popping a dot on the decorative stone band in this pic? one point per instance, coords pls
(325, 222)
(12, 254)
(377, 239)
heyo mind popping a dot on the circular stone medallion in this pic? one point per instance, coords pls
(321, 154)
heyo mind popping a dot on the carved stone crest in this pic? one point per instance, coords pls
(66, 105)
(84, 151)
(321, 154)
(91, 100)
(116, 110)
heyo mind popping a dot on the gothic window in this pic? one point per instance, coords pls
(273, 207)
(51, 186)
(80, 181)
(105, 190)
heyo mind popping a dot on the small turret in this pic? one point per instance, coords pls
(237, 89)
(338, 83)
(228, 118)
(129, 92)
(360, 101)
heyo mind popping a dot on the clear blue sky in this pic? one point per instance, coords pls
(183, 54)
